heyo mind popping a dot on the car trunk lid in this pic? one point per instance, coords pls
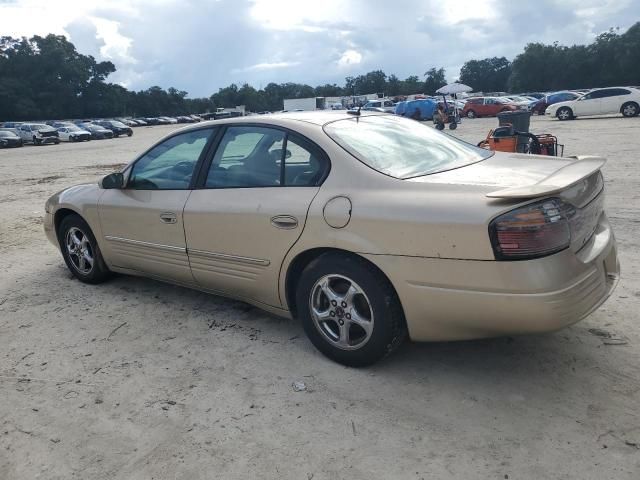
(524, 178)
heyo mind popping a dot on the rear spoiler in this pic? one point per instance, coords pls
(565, 177)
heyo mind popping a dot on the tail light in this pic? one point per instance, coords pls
(532, 231)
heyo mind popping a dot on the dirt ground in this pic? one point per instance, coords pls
(135, 379)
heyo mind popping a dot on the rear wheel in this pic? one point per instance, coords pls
(80, 250)
(349, 310)
(453, 126)
(564, 113)
(630, 109)
(471, 114)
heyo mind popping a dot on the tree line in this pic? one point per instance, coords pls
(46, 77)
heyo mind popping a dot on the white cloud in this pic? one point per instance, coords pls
(350, 57)
(202, 45)
(265, 66)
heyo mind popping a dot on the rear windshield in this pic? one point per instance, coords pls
(400, 147)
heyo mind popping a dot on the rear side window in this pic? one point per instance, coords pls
(614, 92)
(251, 156)
(402, 148)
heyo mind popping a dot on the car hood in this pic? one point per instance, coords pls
(501, 170)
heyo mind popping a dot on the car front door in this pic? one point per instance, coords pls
(250, 209)
(142, 223)
(489, 107)
(589, 104)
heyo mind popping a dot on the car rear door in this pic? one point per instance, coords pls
(612, 99)
(142, 224)
(250, 209)
(589, 104)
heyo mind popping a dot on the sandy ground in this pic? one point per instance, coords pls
(136, 379)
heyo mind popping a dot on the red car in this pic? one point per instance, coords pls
(487, 107)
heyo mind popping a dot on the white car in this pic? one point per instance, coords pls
(73, 133)
(600, 101)
(387, 105)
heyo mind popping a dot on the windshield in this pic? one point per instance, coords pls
(115, 123)
(400, 147)
(7, 134)
(74, 129)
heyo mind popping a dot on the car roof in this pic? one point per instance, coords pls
(319, 118)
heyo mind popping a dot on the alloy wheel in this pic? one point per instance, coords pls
(79, 250)
(341, 312)
(629, 110)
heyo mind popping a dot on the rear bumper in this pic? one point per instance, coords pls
(447, 299)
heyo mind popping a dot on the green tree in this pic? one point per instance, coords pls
(435, 78)
(486, 75)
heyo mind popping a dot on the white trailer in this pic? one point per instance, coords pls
(313, 103)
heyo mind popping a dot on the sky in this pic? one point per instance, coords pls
(203, 45)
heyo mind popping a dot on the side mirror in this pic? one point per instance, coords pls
(113, 180)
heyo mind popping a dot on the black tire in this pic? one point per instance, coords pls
(471, 114)
(99, 271)
(388, 329)
(439, 126)
(129, 134)
(36, 141)
(453, 126)
(564, 113)
(630, 109)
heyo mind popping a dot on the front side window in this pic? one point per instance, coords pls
(402, 148)
(170, 165)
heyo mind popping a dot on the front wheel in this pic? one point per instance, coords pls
(129, 134)
(349, 310)
(564, 113)
(471, 114)
(80, 250)
(630, 109)
(453, 126)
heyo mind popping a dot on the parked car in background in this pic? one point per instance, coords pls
(73, 133)
(386, 104)
(9, 138)
(196, 117)
(522, 101)
(168, 120)
(185, 119)
(141, 122)
(11, 124)
(400, 107)
(600, 101)
(38, 133)
(488, 107)
(98, 132)
(563, 96)
(473, 244)
(126, 121)
(536, 95)
(118, 128)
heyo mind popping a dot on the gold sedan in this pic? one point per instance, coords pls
(367, 228)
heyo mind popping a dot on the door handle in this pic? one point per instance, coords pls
(168, 217)
(287, 222)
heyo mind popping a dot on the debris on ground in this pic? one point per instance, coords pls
(299, 386)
